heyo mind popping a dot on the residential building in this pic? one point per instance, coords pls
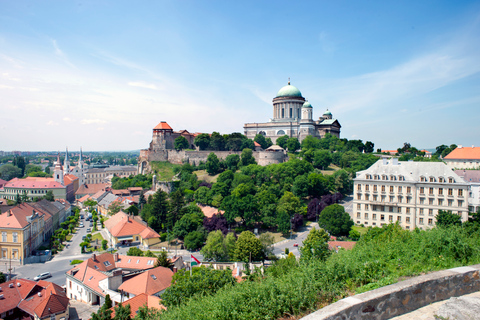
(94, 278)
(33, 187)
(463, 158)
(105, 203)
(123, 228)
(91, 189)
(104, 175)
(27, 299)
(472, 177)
(55, 209)
(410, 192)
(293, 116)
(152, 282)
(22, 230)
(141, 300)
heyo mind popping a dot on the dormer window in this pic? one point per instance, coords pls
(440, 179)
(432, 179)
(106, 263)
(450, 180)
(423, 179)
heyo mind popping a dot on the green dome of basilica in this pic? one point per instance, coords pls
(289, 91)
(307, 105)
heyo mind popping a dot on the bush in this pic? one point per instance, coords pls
(76, 261)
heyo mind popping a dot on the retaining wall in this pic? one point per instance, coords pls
(403, 297)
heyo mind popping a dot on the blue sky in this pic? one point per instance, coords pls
(102, 74)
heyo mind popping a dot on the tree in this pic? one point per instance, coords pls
(315, 246)
(114, 208)
(175, 208)
(163, 261)
(122, 312)
(335, 220)
(231, 162)
(293, 144)
(104, 244)
(213, 164)
(248, 248)
(108, 302)
(8, 172)
(102, 314)
(181, 143)
(354, 235)
(230, 244)
(2, 277)
(204, 281)
(216, 222)
(260, 139)
(267, 240)
(194, 240)
(215, 248)
(247, 157)
(217, 142)
(282, 141)
(310, 142)
(47, 170)
(322, 159)
(202, 141)
(446, 218)
(132, 210)
(135, 252)
(188, 223)
(369, 147)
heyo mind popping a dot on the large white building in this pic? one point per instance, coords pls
(293, 116)
(463, 158)
(472, 177)
(410, 192)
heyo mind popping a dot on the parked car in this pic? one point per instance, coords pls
(81, 225)
(84, 237)
(89, 230)
(42, 276)
(295, 244)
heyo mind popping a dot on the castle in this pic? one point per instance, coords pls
(293, 116)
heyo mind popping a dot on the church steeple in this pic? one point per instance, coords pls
(58, 171)
(66, 163)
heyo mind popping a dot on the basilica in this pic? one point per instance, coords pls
(293, 116)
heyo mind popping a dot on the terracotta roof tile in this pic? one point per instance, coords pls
(464, 153)
(334, 245)
(92, 188)
(34, 183)
(163, 126)
(122, 225)
(17, 216)
(140, 301)
(150, 282)
(210, 211)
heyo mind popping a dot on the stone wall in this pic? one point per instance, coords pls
(403, 297)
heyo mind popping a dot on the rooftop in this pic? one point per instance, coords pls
(464, 153)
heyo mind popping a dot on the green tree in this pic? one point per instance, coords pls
(194, 240)
(354, 235)
(213, 164)
(217, 142)
(310, 142)
(248, 248)
(215, 248)
(322, 159)
(293, 144)
(315, 246)
(335, 220)
(102, 314)
(202, 141)
(132, 210)
(108, 302)
(446, 218)
(188, 223)
(203, 282)
(369, 147)
(230, 244)
(114, 208)
(181, 143)
(247, 157)
(231, 162)
(2, 277)
(135, 252)
(175, 208)
(47, 170)
(267, 240)
(282, 141)
(260, 139)
(163, 260)
(104, 244)
(8, 172)
(122, 312)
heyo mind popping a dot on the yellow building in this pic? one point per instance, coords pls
(22, 230)
(122, 228)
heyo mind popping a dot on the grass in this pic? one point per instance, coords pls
(69, 237)
(98, 236)
(163, 170)
(330, 170)
(203, 175)
(361, 230)
(76, 261)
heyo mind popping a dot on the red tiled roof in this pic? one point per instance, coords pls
(2, 182)
(34, 183)
(464, 153)
(210, 211)
(140, 301)
(91, 189)
(163, 126)
(84, 198)
(150, 282)
(135, 188)
(120, 192)
(69, 178)
(347, 245)
(16, 217)
(122, 225)
(256, 144)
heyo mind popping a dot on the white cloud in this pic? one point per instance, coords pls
(143, 85)
(67, 119)
(52, 123)
(93, 121)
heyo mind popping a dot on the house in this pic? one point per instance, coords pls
(71, 182)
(209, 211)
(151, 282)
(22, 231)
(463, 158)
(411, 193)
(33, 187)
(141, 300)
(55, 209)
(27, 299)
(123, 228)
(91, 189)
(94, 278)
(105, 203)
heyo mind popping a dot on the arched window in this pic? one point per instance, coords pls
(280, 133)
(262, 133)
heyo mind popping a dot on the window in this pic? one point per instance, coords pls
(400, 199)
(106, 263)
(367, 197)
(422, 190)
(374, 216)
(375, 188)
(440, 202)
(138, 261)
(440, 179)
(15, 237)
(440, 191)
(420, 220)
(391, 198)
(383, 188)
(367, 187)
(422, 179)
(359, 187)
(430, 201)
(399, 218)
(390, 209)
(366, 215)
(460, 192)
(400, 189)
(358, 215)
(422, 200)
(450, 203)
(407, 219)
(383, 198)
(409, 189)
(359, 206)
(460, 204)
(430, 221)
(391, 188)
(421, 211)
(450, 180)
(4, 237)
(450, 192)
(375, 197)
(366, 207)
(359, 197)
(382, 217)
(390, 218)
(408, 209)
(430, 212)
(409, 199)
(150, 262)
(432, 179)
(430, 190)
(399, 209)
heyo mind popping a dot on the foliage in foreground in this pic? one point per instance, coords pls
(379, 258)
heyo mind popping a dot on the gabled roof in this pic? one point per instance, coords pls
(99, 195)
(209, 211)
(140, 301)
(150, 282)
(464, 153)
(92, 188)
(48, 206)
(33, 183)
(122, 225)
(84, 198)
(162, 126)
(16, 218)
(469, 175)
(107, 200)
(69, 178)
(330, 122)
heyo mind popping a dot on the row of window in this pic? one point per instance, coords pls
(20, 191)
(391, 189)
(14, 236)
(390, 219)
(399, 199)
(402, 178)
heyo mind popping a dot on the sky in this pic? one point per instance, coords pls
(101, 74)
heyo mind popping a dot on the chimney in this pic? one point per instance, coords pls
(93, 256)
(174, 270)
(115, 257)
(9, 213)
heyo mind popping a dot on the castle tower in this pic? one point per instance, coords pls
(66, 164)
(58, 171)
